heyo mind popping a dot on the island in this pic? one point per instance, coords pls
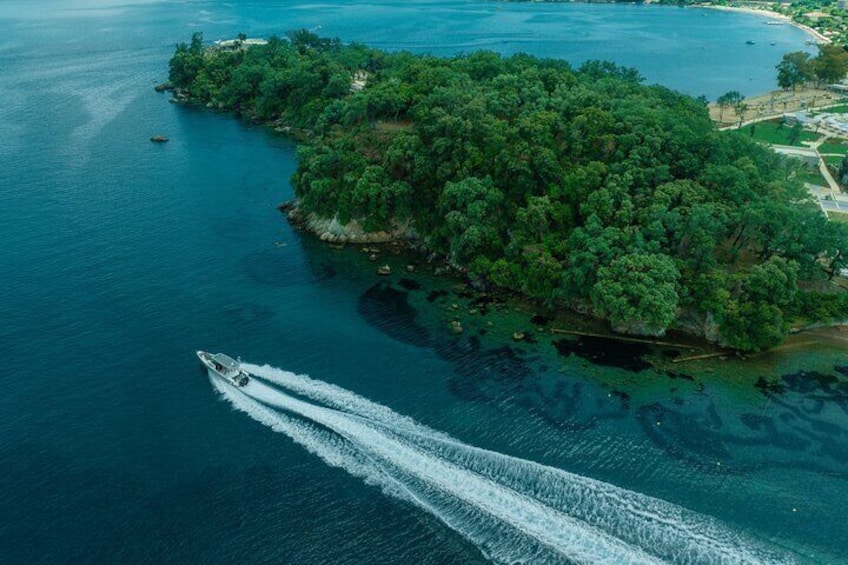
(581, 188)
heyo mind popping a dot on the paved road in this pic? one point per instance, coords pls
(834, 205)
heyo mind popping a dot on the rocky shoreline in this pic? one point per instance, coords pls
(332, 230)
(335, 232)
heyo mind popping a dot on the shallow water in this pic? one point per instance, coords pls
(122, 257)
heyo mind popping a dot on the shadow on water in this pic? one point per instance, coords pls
(796, 428)
(489, 374)
(387, 309)
(275, 267)
(795, 431)
(606, 352)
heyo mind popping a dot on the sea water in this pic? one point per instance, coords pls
(121, 257)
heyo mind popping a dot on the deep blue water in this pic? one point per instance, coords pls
(120, 258)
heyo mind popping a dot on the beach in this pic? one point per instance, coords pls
(819, 37)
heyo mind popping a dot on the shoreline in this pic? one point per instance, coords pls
(817, 35)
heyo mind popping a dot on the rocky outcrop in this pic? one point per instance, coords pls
(637, 328)
(333, 231)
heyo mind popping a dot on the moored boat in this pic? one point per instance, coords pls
(225, 367)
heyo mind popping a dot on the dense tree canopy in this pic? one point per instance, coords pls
(579, 187)
(795, 69)
(831, 64)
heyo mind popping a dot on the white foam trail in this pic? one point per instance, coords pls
(337, 397)
(513, 509)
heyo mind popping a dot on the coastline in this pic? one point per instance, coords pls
(818, 36)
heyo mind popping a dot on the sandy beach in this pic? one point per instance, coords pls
(774, 104)
(774, 16)
(779, 101)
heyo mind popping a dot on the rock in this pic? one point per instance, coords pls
(456, 327)
(518, 336)
(163, 87)
(410, 268)
(638, 328)
(287, 206)
(712, 330)
(158, 139)
(384, 270)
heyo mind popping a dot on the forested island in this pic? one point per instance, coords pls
(578, 187)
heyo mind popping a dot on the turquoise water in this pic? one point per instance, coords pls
(121, 257)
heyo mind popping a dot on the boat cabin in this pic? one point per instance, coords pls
(224, 364)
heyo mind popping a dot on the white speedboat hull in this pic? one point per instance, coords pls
(224, 367)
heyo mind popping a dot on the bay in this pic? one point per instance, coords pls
(121, 257)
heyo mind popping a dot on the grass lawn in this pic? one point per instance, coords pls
(834, 146)
(811, 176)
(777, 134)
(837, 216)
(841, 109)
(833, 161)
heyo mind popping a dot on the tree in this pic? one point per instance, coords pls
(638, 292)
(740, 108)
(831, 64)
(581, 188)
(794, 69)
(187, 62)
(754, 320)
(795, 133)
(728, 99)
(843, 171)
(470, 208)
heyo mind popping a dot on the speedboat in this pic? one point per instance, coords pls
(220, 365)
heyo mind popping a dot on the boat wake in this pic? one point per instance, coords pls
(514, 510)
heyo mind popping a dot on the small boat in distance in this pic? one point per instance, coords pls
(220, 365)
(750, 42)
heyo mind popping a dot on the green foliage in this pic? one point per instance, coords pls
(795, 69)
(831, 64)
(638, 290)
(753, 319)
(576, 187)
(776, 133)
(187, 62)
(730, 99)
